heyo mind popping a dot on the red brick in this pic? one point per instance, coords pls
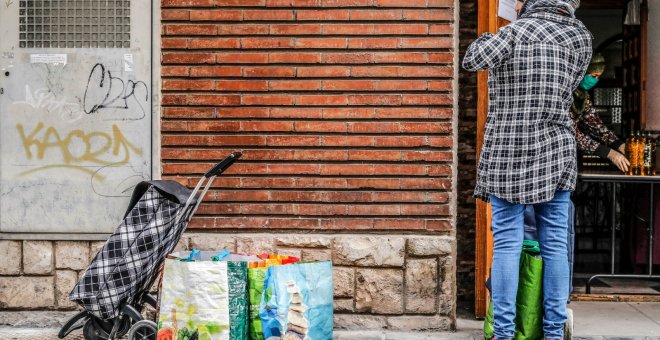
(382, 99)
(213, 99)
(348, 113)
(187, 3)
(399, 224)
(347, 58)
(187, 29)
(427, 99)
(439, 170)
(346, 169)
(441, 29)
(440, 85)
(264, 43)
(244, 3)
(348, 29)
(266, 99)
(321, 100)
(401, 85)
(374, 155)
(400, 170)
(321, 71)
(290, 57)
(321, 209)
(381, 209)
(263, 209)
(321, 43)
(347, 3)
(175, 71)
(402, 112)
(215, 71)
(213, 126)
(400, 57)
(295, 112)
(216, 15)
(427, 42)
(347, 141)
(295, 29)
(188, 58)
(347, 224)
(187, 112)
(400, 3)
(400, 141)
(271, 71)
(373, 43)
(270, 14)
(294, 85)
(425, 128)
(402, 29)
(347, 196)
(441, 58)
(348, 85)
(174, 43)
(241, 58)
(441, 3)
(262, 182)
(372, 15)
(425, 183)
(438, 225)
(321, 182)
(241, 85)
(427, 156)
(374, 183)
(428, 14)
(297, 169)
(322, 14)
(321, 155)
(293, 141)
(321, 126)
(293, 3)
(238, 140)
(445, 142)
(174, 14)
(174, 99)
(213, 43)
(241, 222)
(242, 29)
(293, 223)
(267, 126)
(187, 85)
(399, 196)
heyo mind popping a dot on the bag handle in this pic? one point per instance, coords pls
(222, 166)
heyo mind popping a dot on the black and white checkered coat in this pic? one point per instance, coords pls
(534, 65)
(131, 258)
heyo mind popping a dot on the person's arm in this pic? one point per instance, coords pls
(489, 50)
(597, 128)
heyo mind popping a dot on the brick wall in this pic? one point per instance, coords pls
(342, 108)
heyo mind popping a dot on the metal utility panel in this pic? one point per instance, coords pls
(75, 112)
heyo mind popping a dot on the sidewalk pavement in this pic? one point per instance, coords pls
(593, 321)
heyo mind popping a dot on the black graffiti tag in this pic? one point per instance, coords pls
(104, 91)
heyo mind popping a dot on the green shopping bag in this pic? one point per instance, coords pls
(529, 300)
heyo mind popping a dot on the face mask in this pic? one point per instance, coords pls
(588, 82)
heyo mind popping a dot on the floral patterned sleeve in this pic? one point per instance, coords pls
(595, 126)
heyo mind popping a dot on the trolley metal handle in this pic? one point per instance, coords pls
(222, 166)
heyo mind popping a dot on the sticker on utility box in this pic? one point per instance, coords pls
(54, 59)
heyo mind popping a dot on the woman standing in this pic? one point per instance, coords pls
(591, 135)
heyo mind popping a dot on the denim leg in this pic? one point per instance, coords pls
(508, 233)
(552, 224)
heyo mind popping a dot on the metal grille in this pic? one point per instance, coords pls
(74, 23)
(608, 96)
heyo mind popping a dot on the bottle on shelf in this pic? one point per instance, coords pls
(638, 153)
(630, 150)
(649, 155)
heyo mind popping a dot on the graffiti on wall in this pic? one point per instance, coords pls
(104, 91)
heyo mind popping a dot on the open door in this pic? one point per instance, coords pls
(488, 22)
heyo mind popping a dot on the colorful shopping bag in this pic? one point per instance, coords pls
(529, 300)
(256, 278)
(297, 303)
(203, 296)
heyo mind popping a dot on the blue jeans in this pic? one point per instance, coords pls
(508, 221)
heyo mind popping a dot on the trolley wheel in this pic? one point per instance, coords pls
(124, 327)
(568, 327)
(92, 331)
(143, 330)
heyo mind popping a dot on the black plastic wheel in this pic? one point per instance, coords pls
(91, 331)
(143, 330)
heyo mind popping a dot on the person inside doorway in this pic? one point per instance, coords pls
(592, 136)
(529, 150)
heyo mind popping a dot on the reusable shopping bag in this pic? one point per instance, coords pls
(297, 303)
(204, 296)
(256, 277)
(529, 300)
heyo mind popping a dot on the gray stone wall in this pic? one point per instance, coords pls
(397, 282)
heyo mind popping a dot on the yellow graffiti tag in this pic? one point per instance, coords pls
(51, 139)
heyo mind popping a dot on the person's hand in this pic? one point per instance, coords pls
(622, 148)
(619, 160)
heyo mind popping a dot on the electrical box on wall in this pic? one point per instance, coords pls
(75, 112)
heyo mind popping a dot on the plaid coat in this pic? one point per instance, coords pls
(534, 65)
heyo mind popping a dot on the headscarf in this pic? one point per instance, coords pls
(566, 7)
(597, 65)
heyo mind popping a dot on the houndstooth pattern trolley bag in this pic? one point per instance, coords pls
(127, 262)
